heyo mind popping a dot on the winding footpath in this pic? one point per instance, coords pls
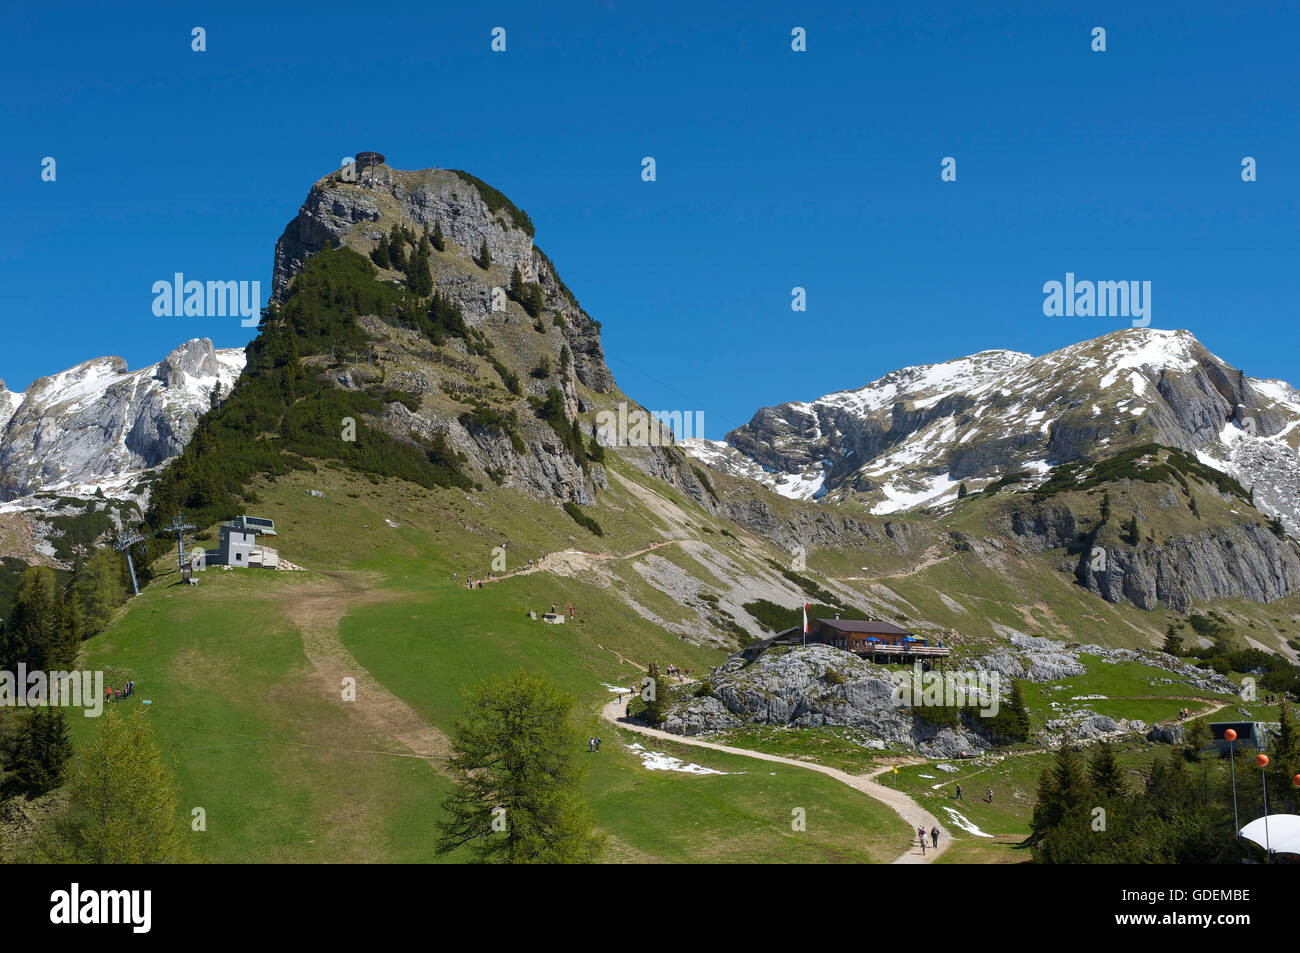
(615, 712)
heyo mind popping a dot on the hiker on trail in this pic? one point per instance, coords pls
(959, 792)
(920, 835)
(597, 744)
(990, 795)
(591, 745)
(934, 835)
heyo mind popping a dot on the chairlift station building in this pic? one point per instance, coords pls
(239, 546)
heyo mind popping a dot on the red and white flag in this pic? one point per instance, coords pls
(805, 618)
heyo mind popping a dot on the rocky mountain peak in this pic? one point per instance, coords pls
(196, 358)
(99, 425)
(470, 213)
(911, 438)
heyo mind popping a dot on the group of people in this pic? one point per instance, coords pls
(1184, 713)
(934, 837)
(593, 744)
(117, 694)
(679, 672)
(988, 797)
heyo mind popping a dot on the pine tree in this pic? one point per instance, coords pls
(438, 241)
(1062, 796)
(397, 248)
(1197, 738)
(1012, 720)
(1286, 751)
(533, 301)
(656, 707)
(516, 289)
(98, 589)
(44, 627)
(1104, 772)
(1105, 506)
(420, 278)
(516, 794)
(380, 255)
(484, 256)
(1173, 641)
(122, 806)
(41, 757)
(962, 492)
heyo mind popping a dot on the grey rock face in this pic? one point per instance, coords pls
(1166, 734)
(1240, 561)
(792, 689)
(440, 197)
(100, 425)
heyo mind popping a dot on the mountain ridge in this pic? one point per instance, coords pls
(99, 426)
(909, 439)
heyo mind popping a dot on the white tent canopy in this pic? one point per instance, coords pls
(1283, 834)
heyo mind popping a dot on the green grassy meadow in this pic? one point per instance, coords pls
(287, 771)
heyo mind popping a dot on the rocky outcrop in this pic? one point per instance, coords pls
(807, 528)
(794, 689)
(1240, 561)
(525, 454)
(338, 212)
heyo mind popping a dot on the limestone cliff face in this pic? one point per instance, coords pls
(1240, 561)
(1234, 557)
(558, 347)
(100, 426)
(354, 213)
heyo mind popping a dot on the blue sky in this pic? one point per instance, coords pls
(775, 169)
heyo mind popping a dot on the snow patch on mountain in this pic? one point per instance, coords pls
(99, 427)
(912, 437)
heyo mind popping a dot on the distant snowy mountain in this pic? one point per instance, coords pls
(911, 438)
(99, 426)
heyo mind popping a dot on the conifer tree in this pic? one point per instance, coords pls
(99, 589)
(516, 794)
(1197, 737)
(122, 806)
(44, 628)
(484, 256)
(380, 255)
(420, 279)
(439, 242)
(397, 248)
(42, 753)
(1173, 641)
(1104, 772)
(1062, 795)
(656, 707)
